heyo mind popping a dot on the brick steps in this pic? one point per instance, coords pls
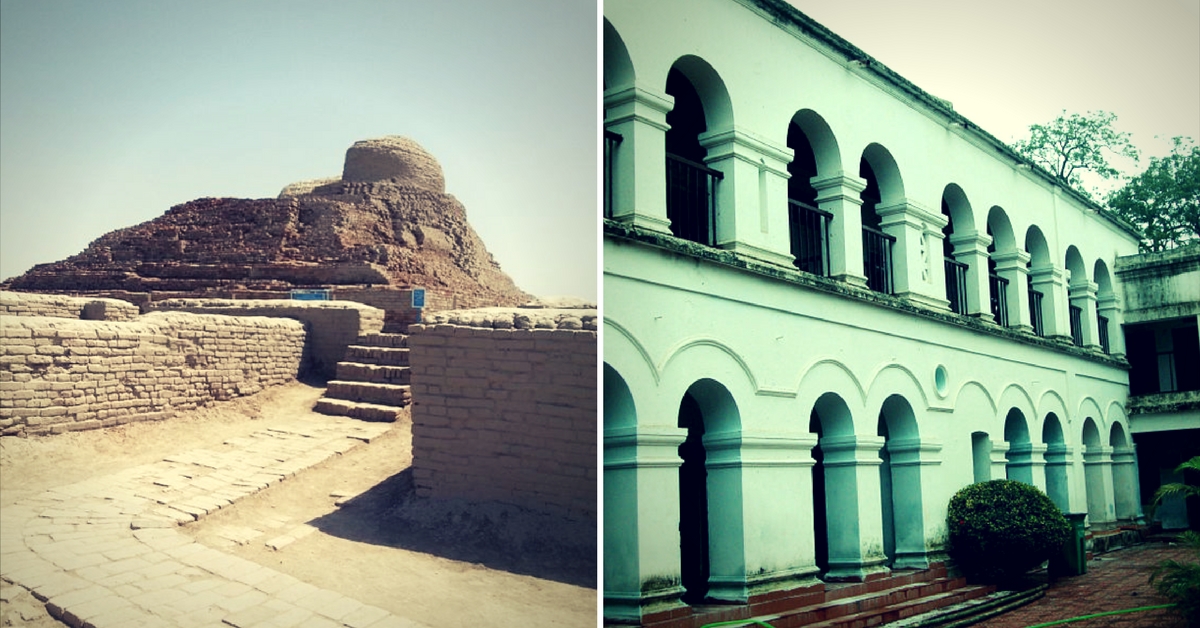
(389, 356)
(369, 392)
(356, 409)
(372, 381)
(378, 373)
(857, 605)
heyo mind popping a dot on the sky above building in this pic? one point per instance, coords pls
(1007, 65)
(112, 112)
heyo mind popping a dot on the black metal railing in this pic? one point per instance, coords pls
(877, 259)
(810, 237)
(611, 141)
(999, 288)
(692, 199)
(956, 285)
(1035, 312)
(1076, 325)
(1102, 327)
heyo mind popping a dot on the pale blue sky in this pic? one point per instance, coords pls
(112, 112)
(1006, 65)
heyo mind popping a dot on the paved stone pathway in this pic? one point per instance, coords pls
(1116, 581)
(108, 552)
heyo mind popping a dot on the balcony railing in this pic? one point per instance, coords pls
(999, 289)
(956, 285)
(611, 141)
(877, 259)
(810, 237)
(1035, 312)
(1102, 327)
(692, 199)
(1076, 325)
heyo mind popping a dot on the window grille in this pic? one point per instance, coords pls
(877, 259)
(810, 237)
(1102, 327)
(692, 199)
(611, 141)
(1076, 325)
(1035, 312)
(956, 286)
(999, 290)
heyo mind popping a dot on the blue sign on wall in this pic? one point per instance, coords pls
(418, 298)
(310, 295)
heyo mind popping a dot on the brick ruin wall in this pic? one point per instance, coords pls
(58, 306)
(332, 325)
(506, 414)
(59, 375)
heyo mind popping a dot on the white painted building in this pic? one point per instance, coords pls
(830, 302)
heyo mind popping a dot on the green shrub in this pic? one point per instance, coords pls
(1001, 529)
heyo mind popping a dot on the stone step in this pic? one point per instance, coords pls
(366, 354)
(397, 341)
(379, 374)
(356, 409)
(369, 392)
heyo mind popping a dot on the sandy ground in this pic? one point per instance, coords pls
(351, 524)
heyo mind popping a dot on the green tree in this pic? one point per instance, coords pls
(1073, 144)
(1164, 201)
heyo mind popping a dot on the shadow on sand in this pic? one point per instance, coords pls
(497, 536)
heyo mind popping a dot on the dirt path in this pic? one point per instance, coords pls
(439, 564)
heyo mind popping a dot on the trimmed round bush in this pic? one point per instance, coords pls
(1001, 529)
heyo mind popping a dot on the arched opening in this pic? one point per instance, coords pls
(900, 484)
(1040, 271)
(1020, 449)
(981, 456)
(618, 75)
(835, 512)
(884, 187)
(1057, 487)
(705, 506)
(620, 491)
(701, 104)
(693, 504)
(1077, 295)
(957, 211)
(1105, 305)
(808, 225)
(1003, 243)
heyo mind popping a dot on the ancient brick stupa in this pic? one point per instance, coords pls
(386, 222)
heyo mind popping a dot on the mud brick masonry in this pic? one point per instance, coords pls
(505, 408)
(59, 373)
(332, 326)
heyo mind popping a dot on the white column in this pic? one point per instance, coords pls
(839, 195)
(852, 506)
(639, 115)
(641, 517)
(1058, 475)
(772, 474)
(1097, 463)
(1051, 282)
(1083, 296)
(1012, 266)
(999, 460)
(913, 255)
(971, 249)
(918, 515)
(752, 197)
(1108, 308)
(1124, 483)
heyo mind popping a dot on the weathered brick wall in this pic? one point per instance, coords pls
(506, 414)
(332, 325)
(59, 306)
(61, 375)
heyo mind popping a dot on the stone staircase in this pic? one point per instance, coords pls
(372, 381)
(876, 602)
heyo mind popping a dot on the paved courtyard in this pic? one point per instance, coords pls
(1114, 581)
(108, 552)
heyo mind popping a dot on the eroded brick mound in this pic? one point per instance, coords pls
(387, 221)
